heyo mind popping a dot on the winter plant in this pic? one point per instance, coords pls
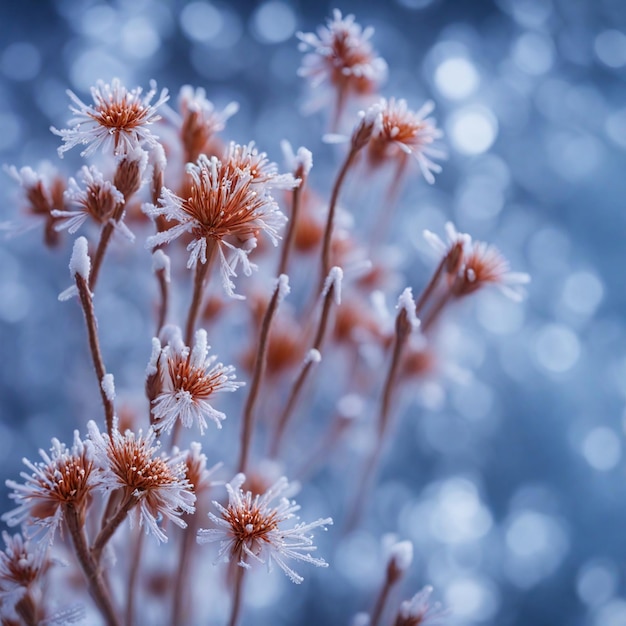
(111, 527)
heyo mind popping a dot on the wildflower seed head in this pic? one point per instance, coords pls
(21, 563)
(484, 265)
(201, 121)
(95, 198)
(340, 55)
(118, 120)
(252, 528)
(402, 132)
(190, 379)
(155, 483)
(131, 172)
(64, 477)
(229, 203)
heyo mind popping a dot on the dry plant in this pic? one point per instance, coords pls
(93, 502)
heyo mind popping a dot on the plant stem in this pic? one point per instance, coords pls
(86, 301)
(111, 526)
(381, 600)
(164, 304)
(237, 596)
(328, 232)
(257, 377)
(103, 244)
(138, 539)
(291, 226)
(184, 570)
(303, 375)
(202, 271)
(88, 564)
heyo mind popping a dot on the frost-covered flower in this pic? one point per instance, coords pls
(418, 611)
(200, 120)
(230, 201)
(44, 193)
(197, 473)
(21, 563)
(471, 265)
(118, 119)
(190, 379)
(340, 55)
(402, 131)
(484, 265)
(252, 528)
(153, 485)
(64, 477)
(96, 198)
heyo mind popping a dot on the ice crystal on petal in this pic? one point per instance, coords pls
(118, 120)
(65, 476)
(156, 485)
(190, 379)
(252, 528)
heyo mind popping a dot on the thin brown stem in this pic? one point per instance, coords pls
(202, 271)
(88, 564)
(381, 601)
(403, 331)
(164, 290)
(111, 526)
(291, 226)
(184, 571)
(26, 608)
(436, 310)
(237, 596)
(330, 220)
(430, 287)
(257, 378)
(303, 375)
(86, 301)
(103, 244)
(133, 573)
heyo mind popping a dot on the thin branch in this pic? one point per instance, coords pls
(111, 526)
(237, 596)
(138, 541)
(291, 226)
(257, 377)
(298, 385)
(202, 271)
(86, 301)
(164, 290)
(330, 220)
(88, 564)
(103, 244)
(184, 570)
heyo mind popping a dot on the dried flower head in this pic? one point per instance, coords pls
(341, 56)
(229, 203)
(197, 473)
(418, 611)
(44, 193)
(485, 265)
(97, 199)
(251, 528)
(404, 132)
(201, 121)
(153, 485)
(451, 251)
(190, 379)
(21, 564)
(118, 119)
(64, 477)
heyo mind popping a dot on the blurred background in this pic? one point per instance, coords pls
(511, 487)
